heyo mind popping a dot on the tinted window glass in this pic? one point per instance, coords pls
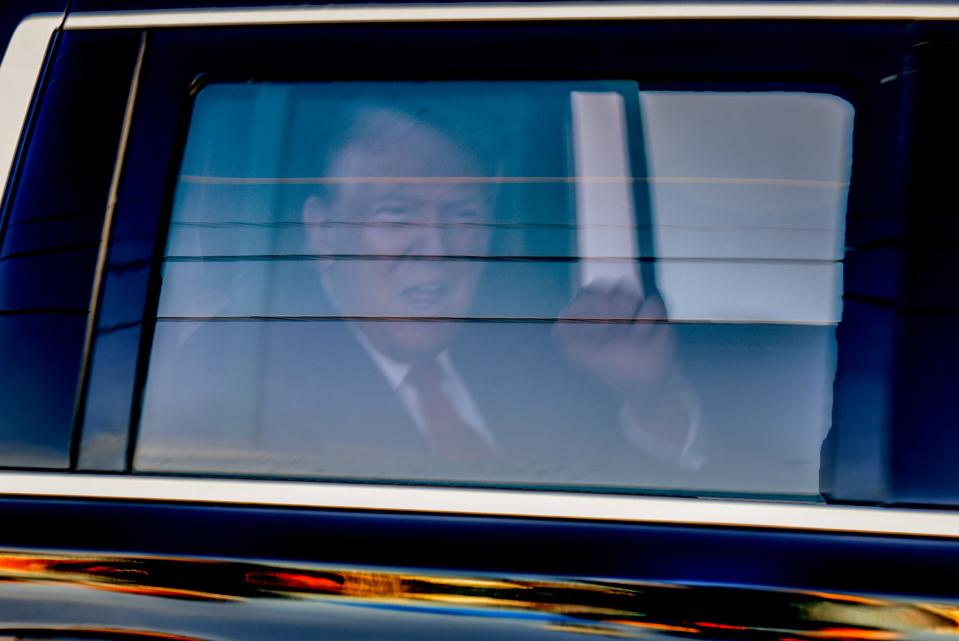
(48, 244)
(556, 283)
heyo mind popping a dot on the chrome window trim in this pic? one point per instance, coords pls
(507, 12)
(487, 502)
(19, 73)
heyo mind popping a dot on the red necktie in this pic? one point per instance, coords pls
(450, 436)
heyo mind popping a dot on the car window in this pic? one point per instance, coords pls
(560, 284)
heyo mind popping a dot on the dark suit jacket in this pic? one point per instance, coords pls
(302, 398)
(551, 425)
(294, 398)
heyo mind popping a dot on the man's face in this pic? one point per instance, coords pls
(400, 225)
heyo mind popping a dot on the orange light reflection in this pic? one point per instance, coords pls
(649, 625)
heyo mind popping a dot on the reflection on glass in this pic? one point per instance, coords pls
(600, 607)
(553, 283)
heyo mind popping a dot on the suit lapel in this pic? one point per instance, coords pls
(333, 395)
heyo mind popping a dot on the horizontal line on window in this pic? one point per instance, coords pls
(767, 515)
(505, 180)
(103, 330)
(502, 258)
(85, 217)
(296, 224)
(38, 311)
(902, 309)
(486, 319)
(47, 251)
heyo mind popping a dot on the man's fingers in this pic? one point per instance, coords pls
(625, 300)
(652, 308)
(611, 311)
(605, 300)
(589, 302)
(583, 320)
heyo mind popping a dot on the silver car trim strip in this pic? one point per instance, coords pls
(19, 73)
(487, 502)
(498, 12)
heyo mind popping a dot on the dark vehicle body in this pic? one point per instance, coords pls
(90, 548)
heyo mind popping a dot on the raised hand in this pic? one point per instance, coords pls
(614, 334)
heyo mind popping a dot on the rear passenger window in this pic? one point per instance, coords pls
(558, 284)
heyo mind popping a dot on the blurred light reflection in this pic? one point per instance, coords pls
(590, 607)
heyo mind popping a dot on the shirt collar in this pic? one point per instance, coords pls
(395, 371)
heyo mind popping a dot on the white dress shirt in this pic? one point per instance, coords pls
(452, 385)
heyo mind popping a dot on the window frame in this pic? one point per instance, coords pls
(529, 16)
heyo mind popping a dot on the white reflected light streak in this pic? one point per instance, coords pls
(19, 71)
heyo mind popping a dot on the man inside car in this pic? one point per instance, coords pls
(402, 225)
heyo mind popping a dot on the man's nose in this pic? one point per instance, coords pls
(430, 236)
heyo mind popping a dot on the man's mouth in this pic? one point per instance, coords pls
(426, 297)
